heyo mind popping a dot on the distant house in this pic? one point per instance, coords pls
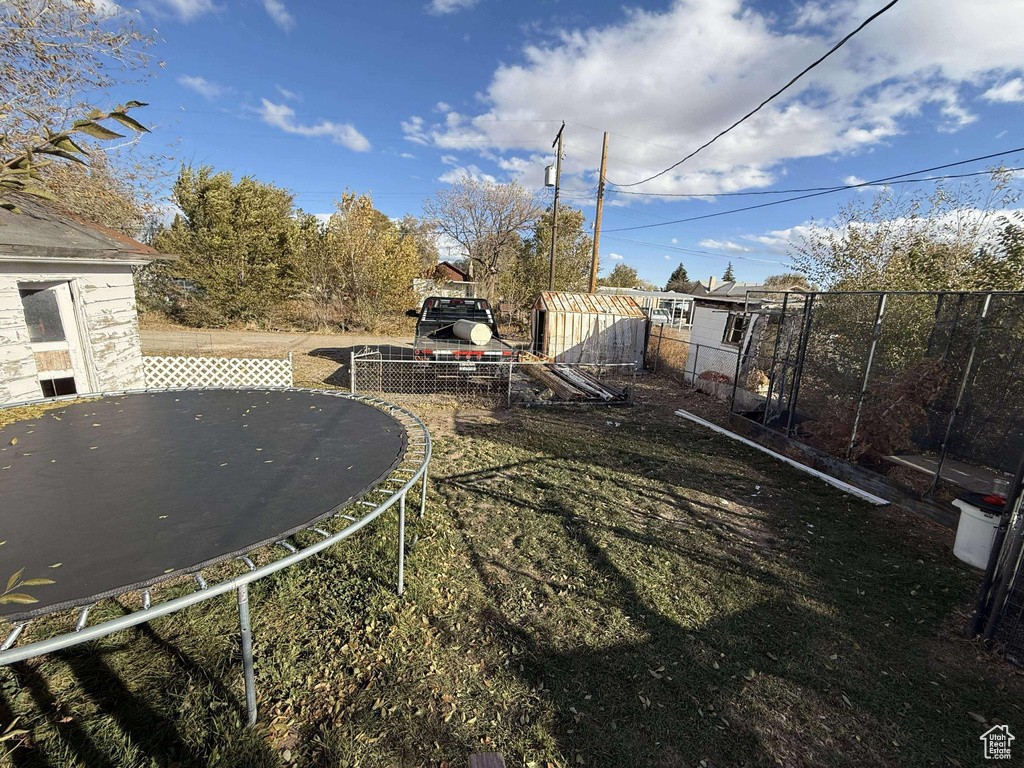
(68, 320)
(721, 324)
(445, 279)
(719, 327)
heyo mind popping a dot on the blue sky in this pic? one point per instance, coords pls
(400, 97)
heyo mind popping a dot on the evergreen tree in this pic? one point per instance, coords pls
(729, 275)
(235, 240)
(679, 280)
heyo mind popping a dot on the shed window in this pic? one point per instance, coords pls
(734, 329)
(58, 387)
(42, 315)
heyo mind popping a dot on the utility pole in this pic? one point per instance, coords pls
(597, 216)
(554, 209)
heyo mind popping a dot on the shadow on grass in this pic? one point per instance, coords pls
(150, 732)
(788, 656)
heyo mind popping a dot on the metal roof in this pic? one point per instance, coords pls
(45, 230)
(589, 304)
(673, 295)
(735, 288)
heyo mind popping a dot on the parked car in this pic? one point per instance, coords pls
(436, 341)
(660, 316)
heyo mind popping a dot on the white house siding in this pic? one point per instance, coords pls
(711, 354)
(105, 300)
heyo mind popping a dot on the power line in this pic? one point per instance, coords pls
(813, 194)
(821, 189)
(752, 112)
(695, 251)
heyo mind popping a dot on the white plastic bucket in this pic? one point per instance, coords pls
(974, 534)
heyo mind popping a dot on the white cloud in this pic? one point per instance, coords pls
(449, 159)
(852, 180)
(185, 10)
(970, 224)
(202, 86)
(1011, 90)
(668, 257)
(442, 106)
(105, 7)
(616, 256)
(716, 58)
(726, 245)
(279, 14)
(415, 130)
(675, 240)
(440, 7)
(407, 156)
(466, 172)
(283, 117)
(285, 93)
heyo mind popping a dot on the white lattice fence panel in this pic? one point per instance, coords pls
(217, 371)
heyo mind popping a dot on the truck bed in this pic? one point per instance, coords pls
(445, 345)
(435, 339)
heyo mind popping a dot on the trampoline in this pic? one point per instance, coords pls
(112, 495)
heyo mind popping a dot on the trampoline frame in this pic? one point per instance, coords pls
(413, 467)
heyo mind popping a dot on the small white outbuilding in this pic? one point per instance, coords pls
(68, 319)
(589, 328)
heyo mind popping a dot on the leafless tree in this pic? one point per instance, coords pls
(56, 56)
(487, 220)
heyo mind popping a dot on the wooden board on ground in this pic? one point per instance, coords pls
(974, 479)
(571, 384)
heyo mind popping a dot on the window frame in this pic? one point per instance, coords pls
(731, 329)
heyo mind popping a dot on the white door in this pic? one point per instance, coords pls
(54, 338)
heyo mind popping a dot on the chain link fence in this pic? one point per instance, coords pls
(671, 354)
(490, 384)
(922, 386)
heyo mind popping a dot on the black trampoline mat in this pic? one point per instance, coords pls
(125, 491)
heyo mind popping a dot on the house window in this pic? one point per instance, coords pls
(42, 315)
(734, 328)
(58, 387)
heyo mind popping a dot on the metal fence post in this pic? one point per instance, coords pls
(352, 371)
(693, 373)
(960, 392)
(736, 379)
(983, 610)
(657, 353)
(876, 331)
(801, 354)
(247, 663)
(775, 356)
(511, 365)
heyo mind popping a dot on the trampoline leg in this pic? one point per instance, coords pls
(401, 544)
(423, 491)
(247, 666)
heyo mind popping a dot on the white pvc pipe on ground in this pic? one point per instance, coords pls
(477, 333)
(845, 487)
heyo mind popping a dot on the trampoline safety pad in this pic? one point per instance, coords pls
(109, 495)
